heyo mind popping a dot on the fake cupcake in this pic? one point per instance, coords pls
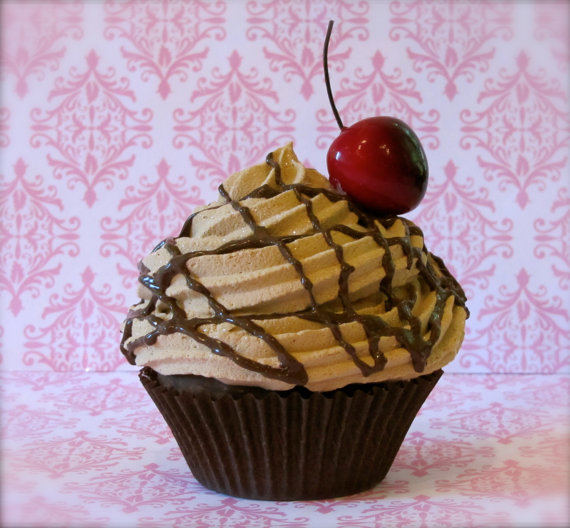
(289, 338)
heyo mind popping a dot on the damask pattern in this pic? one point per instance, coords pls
(165, 39)
(233, 124)
(491, 460)
(377, 92)
(292, 34)
(36, 38)
(150, 211)
(455, 41)
(81, 330)
(117, 119)
(524, 130)
(552, 237)
(91, 128)
(35, 236)
(147, 111)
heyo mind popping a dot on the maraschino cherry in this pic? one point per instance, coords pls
(379, 161)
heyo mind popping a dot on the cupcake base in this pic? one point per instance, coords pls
(287, 445)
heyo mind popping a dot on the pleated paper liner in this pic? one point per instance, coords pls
(287, 445)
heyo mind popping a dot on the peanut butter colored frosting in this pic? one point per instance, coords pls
(283, 281)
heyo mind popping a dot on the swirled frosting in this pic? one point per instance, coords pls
(283, 281)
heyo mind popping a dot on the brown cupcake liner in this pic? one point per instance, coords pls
(287, 445)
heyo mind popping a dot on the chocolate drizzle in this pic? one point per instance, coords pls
(290, 370)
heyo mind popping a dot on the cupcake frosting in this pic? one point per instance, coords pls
(283, 281)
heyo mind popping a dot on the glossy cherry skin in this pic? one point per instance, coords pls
(380, 163)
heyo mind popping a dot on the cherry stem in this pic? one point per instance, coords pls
(327, 79)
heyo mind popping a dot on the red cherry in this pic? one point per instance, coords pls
(379, 161)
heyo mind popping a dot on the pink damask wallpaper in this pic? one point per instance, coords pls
(117, 118)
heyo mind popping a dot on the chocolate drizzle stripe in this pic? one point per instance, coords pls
(290, 370)
(322, 315)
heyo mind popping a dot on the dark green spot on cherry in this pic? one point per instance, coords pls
(379, 161)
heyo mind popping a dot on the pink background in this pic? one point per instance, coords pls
(118, 118)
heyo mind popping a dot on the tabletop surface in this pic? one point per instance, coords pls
(90, 449)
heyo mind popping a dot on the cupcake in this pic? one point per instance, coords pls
(289, 338)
